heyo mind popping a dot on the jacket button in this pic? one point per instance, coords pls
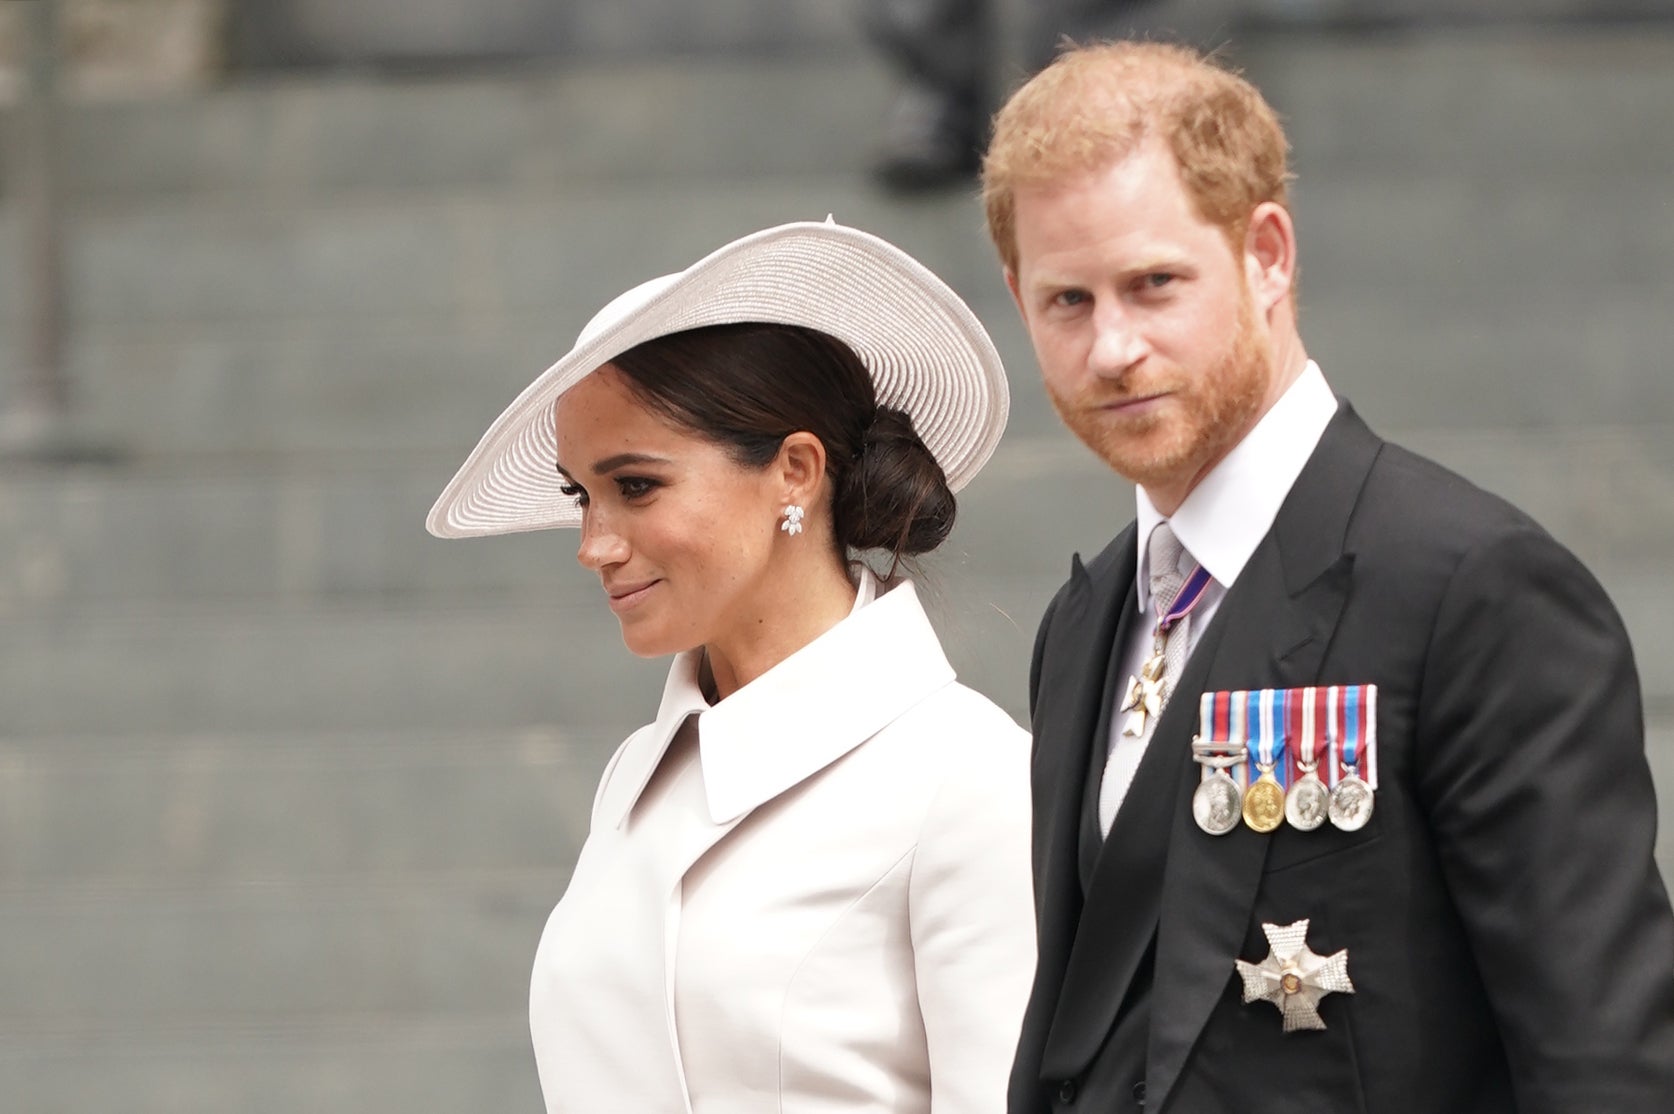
(1066, 1091)
(1139, 1092)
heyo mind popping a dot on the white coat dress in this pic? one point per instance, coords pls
(813, 897)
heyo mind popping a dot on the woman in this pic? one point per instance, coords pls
(806, 885)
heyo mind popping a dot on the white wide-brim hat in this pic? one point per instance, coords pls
(927, 353)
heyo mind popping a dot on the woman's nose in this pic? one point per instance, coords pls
(600, 545)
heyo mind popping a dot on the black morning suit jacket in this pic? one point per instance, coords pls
(1508, 934)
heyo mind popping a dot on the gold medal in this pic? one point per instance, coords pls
(1264, 802)
(1264, 799)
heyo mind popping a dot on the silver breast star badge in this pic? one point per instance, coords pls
(1293, 978)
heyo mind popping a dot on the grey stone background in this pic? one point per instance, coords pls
(287, 787)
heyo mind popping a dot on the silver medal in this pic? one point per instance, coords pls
(1351, 802)
(1217, 803)
(1307, 803)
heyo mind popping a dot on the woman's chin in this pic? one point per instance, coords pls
(643, 642)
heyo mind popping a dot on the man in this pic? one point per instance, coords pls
(1491, 934)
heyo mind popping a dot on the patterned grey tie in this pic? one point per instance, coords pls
(1148, 693)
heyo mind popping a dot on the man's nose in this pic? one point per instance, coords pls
(1118, 343)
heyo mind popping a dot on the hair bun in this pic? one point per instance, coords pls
(895, 497)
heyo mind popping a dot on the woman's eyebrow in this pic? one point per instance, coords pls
(622, 460)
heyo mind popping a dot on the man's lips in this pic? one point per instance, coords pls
(1131, 403)
(624, 597)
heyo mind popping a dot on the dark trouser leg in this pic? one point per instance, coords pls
(938, 125)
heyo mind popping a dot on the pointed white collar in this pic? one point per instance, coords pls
(800, 716)
(1232, 508)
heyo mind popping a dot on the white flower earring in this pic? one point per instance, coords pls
(792, 524)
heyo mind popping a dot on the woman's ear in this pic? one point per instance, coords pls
(801, 467)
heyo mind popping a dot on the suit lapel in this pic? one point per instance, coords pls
(1121, 912)
(1091, 841)
(1274, 628)
(1073, 664)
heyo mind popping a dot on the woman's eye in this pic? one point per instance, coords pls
(574, 491)
(635, 487)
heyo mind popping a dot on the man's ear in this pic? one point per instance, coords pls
(1270, 254)
(801, 468)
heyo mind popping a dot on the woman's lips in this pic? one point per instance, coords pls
(627, 598)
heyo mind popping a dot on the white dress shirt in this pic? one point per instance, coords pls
(1220, 524)
(812, 897)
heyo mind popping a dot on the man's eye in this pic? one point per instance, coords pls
(1157, 279)
(1072, 298)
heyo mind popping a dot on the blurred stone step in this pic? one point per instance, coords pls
(255, 535)
(443, 1061)
(491, 669)
(1517, 102)
(469, 260)
(408, 325)
(307, 136)
(428, 32)
(478, 257)
(1505, 362)
(279, 951)
(1429, 102)
(320, 670)
(293, 670)
(135, 811)
(315, 532)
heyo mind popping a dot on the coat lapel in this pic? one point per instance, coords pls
(797, 718)
(1275, 626)
(830, 696)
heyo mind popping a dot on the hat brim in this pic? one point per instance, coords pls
(926, 351)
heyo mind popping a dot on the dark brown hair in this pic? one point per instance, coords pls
(749, 386)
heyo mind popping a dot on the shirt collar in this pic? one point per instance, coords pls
(1232, 508)
(800, 716)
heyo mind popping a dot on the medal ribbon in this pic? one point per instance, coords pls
(1186, 598)
(1369, 733)
(1317, 731)
(1351, 726)
(1299, 726)
(1333, 734)
(1264, 732)
(1215, 713)
(1238, 730)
